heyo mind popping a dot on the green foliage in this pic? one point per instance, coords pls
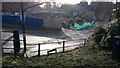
(98, 34)
(88, 56)
(114, 28)
(116, 14)
(103, 36)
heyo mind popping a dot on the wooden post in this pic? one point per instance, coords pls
(38, 49)
(16, 42)
(63, 46)
(84, 42)
(23, 25)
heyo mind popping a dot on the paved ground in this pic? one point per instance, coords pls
(73, 37)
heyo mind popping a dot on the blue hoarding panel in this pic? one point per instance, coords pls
(34, 22)
(15, 20)
(11, 19)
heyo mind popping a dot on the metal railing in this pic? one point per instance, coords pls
(17, 49)
(55, 49)
(13, 38)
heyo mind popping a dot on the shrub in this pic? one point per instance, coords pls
(103, 36)
(98, 34)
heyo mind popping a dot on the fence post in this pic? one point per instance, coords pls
(16, 42)
(38, 49)
(84, 42)
(63, 46)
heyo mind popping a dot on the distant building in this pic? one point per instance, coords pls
(51, 19)
(13, 7)
(102, 10)
(53, 14)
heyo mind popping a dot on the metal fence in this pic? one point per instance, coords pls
(16, 45)
(14, 38)
(63, 47)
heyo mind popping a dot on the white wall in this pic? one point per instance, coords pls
(52, 23)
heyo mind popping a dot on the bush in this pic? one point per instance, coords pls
(98, 34)
(103, 36)
(114, 28)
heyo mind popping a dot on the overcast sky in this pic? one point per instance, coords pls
(67, 1)
(76, 1)
(58, 1)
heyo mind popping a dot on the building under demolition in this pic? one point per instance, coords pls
(53, 15)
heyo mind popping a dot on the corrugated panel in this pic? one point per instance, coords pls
(34, 22)
(11, 19)
(15, 20)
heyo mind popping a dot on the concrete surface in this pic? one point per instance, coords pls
(74, 39)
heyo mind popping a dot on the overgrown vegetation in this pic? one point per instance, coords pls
(103, 36)
(98, 33)
(88, 56)
(93, 54)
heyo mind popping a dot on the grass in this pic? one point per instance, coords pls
(87, 56)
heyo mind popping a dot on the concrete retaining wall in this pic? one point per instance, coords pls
(52, 23)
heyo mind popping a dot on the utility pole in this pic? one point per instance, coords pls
(23, 10)
(23, 25)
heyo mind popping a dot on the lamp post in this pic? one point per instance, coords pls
(23, 21)
(23, 26)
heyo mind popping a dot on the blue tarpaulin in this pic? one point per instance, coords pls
(86, 25)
